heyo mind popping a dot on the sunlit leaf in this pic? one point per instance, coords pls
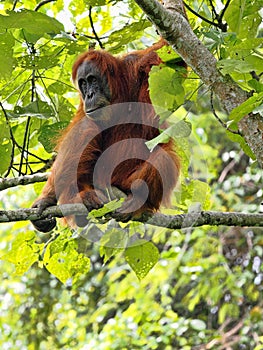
(166, 88)
(107, 208)
(246, 107)
(24, 252)
(37, 109)
(33, 22)
(178, 130)
(62, 259)
(142, 257)
(7, 42)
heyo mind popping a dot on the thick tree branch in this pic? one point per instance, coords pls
(194, 219)
(22, 180)
(171, 23)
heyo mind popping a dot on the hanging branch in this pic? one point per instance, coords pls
(12, 139)
(42, 3)
(219, 119)
(93, 28)
(200, 16)
(224, 10)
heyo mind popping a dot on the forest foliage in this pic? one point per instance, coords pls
(131, 286)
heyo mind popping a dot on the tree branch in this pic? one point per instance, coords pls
(22, 180)
(93, 28)
(200, 16)
(42, 3)
(193, 219)
(171, 23)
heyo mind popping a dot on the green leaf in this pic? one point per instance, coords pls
(37, 109)
(195, 192)
(229, 66)
(167, 54)
(142, 257)
(5, 147)
(107, 208)
(62, 259)
(255, 85)
(166, 90)
(125, 35)
(200, 193)
(245, 147)
(96, 2)
(6, 54)
(39, 62)
(246, 107)
(49, 134)
(113, 242)
(24, 252)
(243, 18)
(32, 21)
(178, 130)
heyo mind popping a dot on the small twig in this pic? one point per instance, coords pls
(224, 10)
(228, 168)
(24, 147)
(12, 139)
(213, 9)
(87, 36)
(219, 18)
(14, 5)
(42, 3)
(93, 28)
(220, 24)
(255, 76)
(48, 164)
(219, 119)
(200, 16)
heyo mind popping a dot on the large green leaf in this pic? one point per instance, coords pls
(178, 130)
(229, 66)
(49, 134)
(142, 257)
(24, 252)
(39, 109)
(32, 21)
(62, 259)
(6, 54)
(246, 107)
(243, 17)
(166, 88)
(239, 139)
(126, 34)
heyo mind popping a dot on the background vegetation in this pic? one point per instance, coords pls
(193, 288)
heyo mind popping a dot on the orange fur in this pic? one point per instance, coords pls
(84, 141)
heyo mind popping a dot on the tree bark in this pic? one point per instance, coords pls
(22, 180)
(192, 219)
